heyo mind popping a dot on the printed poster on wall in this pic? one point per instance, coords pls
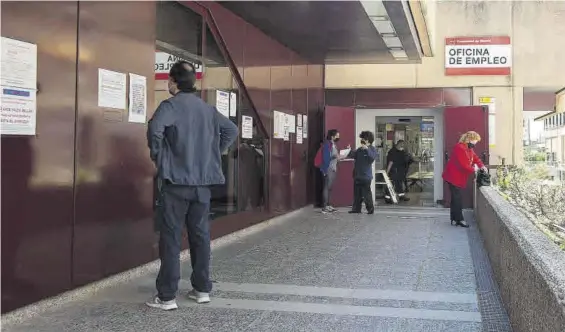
(246, 126)
(298, 135)
(299, 120)
(277, 125)
(305, 126)
(291, 123)
(18, 81)
(233, 104)
(137, 98)
(223, 103)
(111, 89)
(286, 127)
(491, 103)
(18, 111)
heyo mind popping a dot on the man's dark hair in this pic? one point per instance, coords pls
(367, 136)
(331, 133)
(183, 74)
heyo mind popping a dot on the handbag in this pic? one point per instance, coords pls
(483, 179)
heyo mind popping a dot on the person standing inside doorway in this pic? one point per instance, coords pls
(364, 158)
(186, 138)
(398, 161)
(460, 166)
(328, 167)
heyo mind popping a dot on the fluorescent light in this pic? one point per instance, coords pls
(399, 54)
(392, 42)
(374, 8)
(384, 27)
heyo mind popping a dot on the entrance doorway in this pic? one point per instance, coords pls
(417, 132)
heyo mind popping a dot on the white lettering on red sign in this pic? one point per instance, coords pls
(478, 56)
(164, 62)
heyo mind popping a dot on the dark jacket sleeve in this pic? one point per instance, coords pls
(162, 118)
(228, 131)
(371, 153)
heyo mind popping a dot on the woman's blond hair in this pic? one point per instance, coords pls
(470, 136)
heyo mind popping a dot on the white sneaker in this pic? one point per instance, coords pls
(332, 209)
(199, 297)
(157, 303)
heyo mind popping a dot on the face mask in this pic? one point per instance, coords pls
(363, 142)
(400, 148)
(471, 145)
(336, 139)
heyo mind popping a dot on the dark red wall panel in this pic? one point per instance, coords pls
(37, 171)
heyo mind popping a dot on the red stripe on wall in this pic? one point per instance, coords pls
(477, 71)
(165, 76)
(494, 40)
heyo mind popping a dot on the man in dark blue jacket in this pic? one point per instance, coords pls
(364, 157)
(186, 139)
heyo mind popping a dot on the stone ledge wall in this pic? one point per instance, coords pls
(529, 268)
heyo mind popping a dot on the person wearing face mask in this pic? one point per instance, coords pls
(186, 139)
(328, 167)
(460, 166)
(364, 158)
(398, 161)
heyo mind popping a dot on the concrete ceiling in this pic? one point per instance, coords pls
(330, 31)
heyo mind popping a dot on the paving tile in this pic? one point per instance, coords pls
(388, 251)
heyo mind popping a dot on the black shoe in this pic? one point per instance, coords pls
(371, 212)
(404, 198)
(461, 223)
(354, 212)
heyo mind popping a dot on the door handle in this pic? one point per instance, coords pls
(485, 156)
(446, 156)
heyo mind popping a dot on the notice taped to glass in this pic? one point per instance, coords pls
(137, 98)
(246, 126)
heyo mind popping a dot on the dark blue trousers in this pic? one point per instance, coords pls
(184, 206)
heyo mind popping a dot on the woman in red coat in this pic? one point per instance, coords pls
(460, 166)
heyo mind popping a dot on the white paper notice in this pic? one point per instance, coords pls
(299, 120)
(233, 104)
(223, 102)
(277, 129)
(137, 98)
(344, 152)
(305, 127)
(298, 135)
(246, 126)
(291, 123)
(19, 64)
(286, 125)
(111, 89)
(18, 111)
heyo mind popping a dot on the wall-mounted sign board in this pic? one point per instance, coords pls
(478, 56)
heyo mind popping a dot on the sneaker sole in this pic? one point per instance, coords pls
(199, 300)
(162, 307)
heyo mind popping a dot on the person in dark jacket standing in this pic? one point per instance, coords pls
(398, 161)
(186, 138)
(364, 158)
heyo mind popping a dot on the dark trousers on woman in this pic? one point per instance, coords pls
(362, 193)
(456, 205)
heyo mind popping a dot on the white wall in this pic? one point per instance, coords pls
(365, 120)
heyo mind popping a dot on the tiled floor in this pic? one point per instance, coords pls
(398, 270)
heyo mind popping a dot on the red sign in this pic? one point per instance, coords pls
(478, 56)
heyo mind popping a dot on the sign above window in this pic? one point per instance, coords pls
(164, 62)
(478, 56)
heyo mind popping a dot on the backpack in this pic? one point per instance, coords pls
(319, 159)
